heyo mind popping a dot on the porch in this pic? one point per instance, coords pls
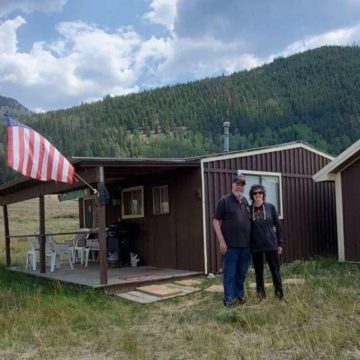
(156, 202)
(123, 278)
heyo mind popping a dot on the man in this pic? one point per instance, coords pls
(232, 227)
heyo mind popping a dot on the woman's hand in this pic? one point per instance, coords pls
(279, 250)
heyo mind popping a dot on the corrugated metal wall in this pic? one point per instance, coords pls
(351, 195)
(309, 220)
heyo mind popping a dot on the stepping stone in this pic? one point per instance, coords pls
(159, 290)
(139, 297)
(215, 288)
(143, 298)
(294, 281)
(188, 282)
(253, 285)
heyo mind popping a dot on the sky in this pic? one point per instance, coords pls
(55, 54)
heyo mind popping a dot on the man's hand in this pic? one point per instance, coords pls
(223, 248)
(279, 250)
(219, 235)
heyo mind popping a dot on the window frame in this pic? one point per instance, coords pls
(132, 189)
(160, 207)
(268, 173)
(91, 198)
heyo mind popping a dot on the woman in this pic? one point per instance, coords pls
(265, 240)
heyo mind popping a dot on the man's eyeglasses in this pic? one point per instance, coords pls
(242, 183)
(258, 192)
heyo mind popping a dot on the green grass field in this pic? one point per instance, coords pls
(41, 320)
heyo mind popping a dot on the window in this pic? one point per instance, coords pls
(272, 184)
(160, 200)
(89, 212)
(132, 202)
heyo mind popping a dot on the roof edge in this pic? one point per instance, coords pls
(324, 173)
(267, 149)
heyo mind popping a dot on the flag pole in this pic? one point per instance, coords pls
(85, 182)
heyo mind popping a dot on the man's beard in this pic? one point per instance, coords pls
(238, 194)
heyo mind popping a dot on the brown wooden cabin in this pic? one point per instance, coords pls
(344, 171)
(172, 201)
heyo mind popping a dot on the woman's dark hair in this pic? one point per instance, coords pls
(254, 188)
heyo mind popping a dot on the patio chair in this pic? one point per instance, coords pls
(92, 245)
(34, 249)
(61, 249)
(80, 247)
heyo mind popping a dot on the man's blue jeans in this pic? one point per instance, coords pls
(236, 264)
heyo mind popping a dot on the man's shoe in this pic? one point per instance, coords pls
(240, 301)
(230, 304)
(261, 295)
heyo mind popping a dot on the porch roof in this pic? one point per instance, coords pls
(115, 169)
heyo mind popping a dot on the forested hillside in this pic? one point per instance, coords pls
(313, 96)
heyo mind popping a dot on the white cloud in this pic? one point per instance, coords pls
(86, 62)
(199, 58)
(8, 39)
(344, 36)
(163, 13)
(28, 6)
(83, 64)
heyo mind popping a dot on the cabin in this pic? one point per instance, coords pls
(344, 172)
(170, 202)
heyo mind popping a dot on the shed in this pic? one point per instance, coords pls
(171, 201)
(344, 171)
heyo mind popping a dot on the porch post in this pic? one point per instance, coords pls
(42, 233)
(102, 233)
(7, 236)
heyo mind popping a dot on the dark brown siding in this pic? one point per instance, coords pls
(351, 195)
(173, 240)
(309, 220)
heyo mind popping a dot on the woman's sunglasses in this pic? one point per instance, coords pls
(258, 192)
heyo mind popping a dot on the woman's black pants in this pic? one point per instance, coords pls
(272, 259)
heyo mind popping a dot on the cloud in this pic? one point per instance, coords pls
(27, 6)
(264, 26)
(163, 12)
(199, 58)
(344, 36)
(85, 62)
(8, 40)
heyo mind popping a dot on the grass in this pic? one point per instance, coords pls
(43, 320)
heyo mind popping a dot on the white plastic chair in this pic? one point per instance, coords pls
(92, 245)
(80, 248)
(34, 249)
(60, 249)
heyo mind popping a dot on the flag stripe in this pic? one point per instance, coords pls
(44, 165)
(32, 155)
(30, 147)
(41, 156)
(10, 145)
(50, 160)
(19, 143)
(25, 153)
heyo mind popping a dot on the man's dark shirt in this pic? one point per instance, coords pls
(235, 218)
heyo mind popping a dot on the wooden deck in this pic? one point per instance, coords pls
(122, 278)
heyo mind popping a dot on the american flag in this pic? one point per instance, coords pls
(32, 155)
